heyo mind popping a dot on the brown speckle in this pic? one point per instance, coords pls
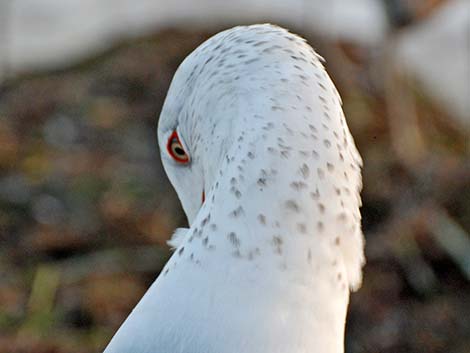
(302, 228)
(262, 219)
(292, 205)
(234, 239)
(236, 212)
(298, 185)
(304, 171)
(277, 243)
(315, 194)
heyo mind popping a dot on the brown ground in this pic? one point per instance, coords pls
(85, 207)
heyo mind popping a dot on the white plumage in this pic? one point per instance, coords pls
(270, 255)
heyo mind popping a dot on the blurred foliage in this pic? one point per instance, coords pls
(85, 207)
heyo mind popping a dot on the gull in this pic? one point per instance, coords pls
(254, 140)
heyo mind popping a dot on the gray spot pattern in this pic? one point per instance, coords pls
(279, 158)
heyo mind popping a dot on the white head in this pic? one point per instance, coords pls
(262, 91)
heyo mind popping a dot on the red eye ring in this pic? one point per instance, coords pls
(176, 150)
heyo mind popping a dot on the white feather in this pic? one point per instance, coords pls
(177, 238)
(269, 258)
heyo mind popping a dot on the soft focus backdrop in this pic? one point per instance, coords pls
(86, 209)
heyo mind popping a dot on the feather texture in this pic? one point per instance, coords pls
(272, 253)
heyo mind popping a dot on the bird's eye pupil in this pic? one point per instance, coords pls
(180, 151)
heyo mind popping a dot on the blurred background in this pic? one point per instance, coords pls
(86, 209)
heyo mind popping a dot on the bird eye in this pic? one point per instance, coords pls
(176, 150)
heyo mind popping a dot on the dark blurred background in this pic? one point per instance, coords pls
(86, 209)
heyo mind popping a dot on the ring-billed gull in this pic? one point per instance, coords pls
(254, 140)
